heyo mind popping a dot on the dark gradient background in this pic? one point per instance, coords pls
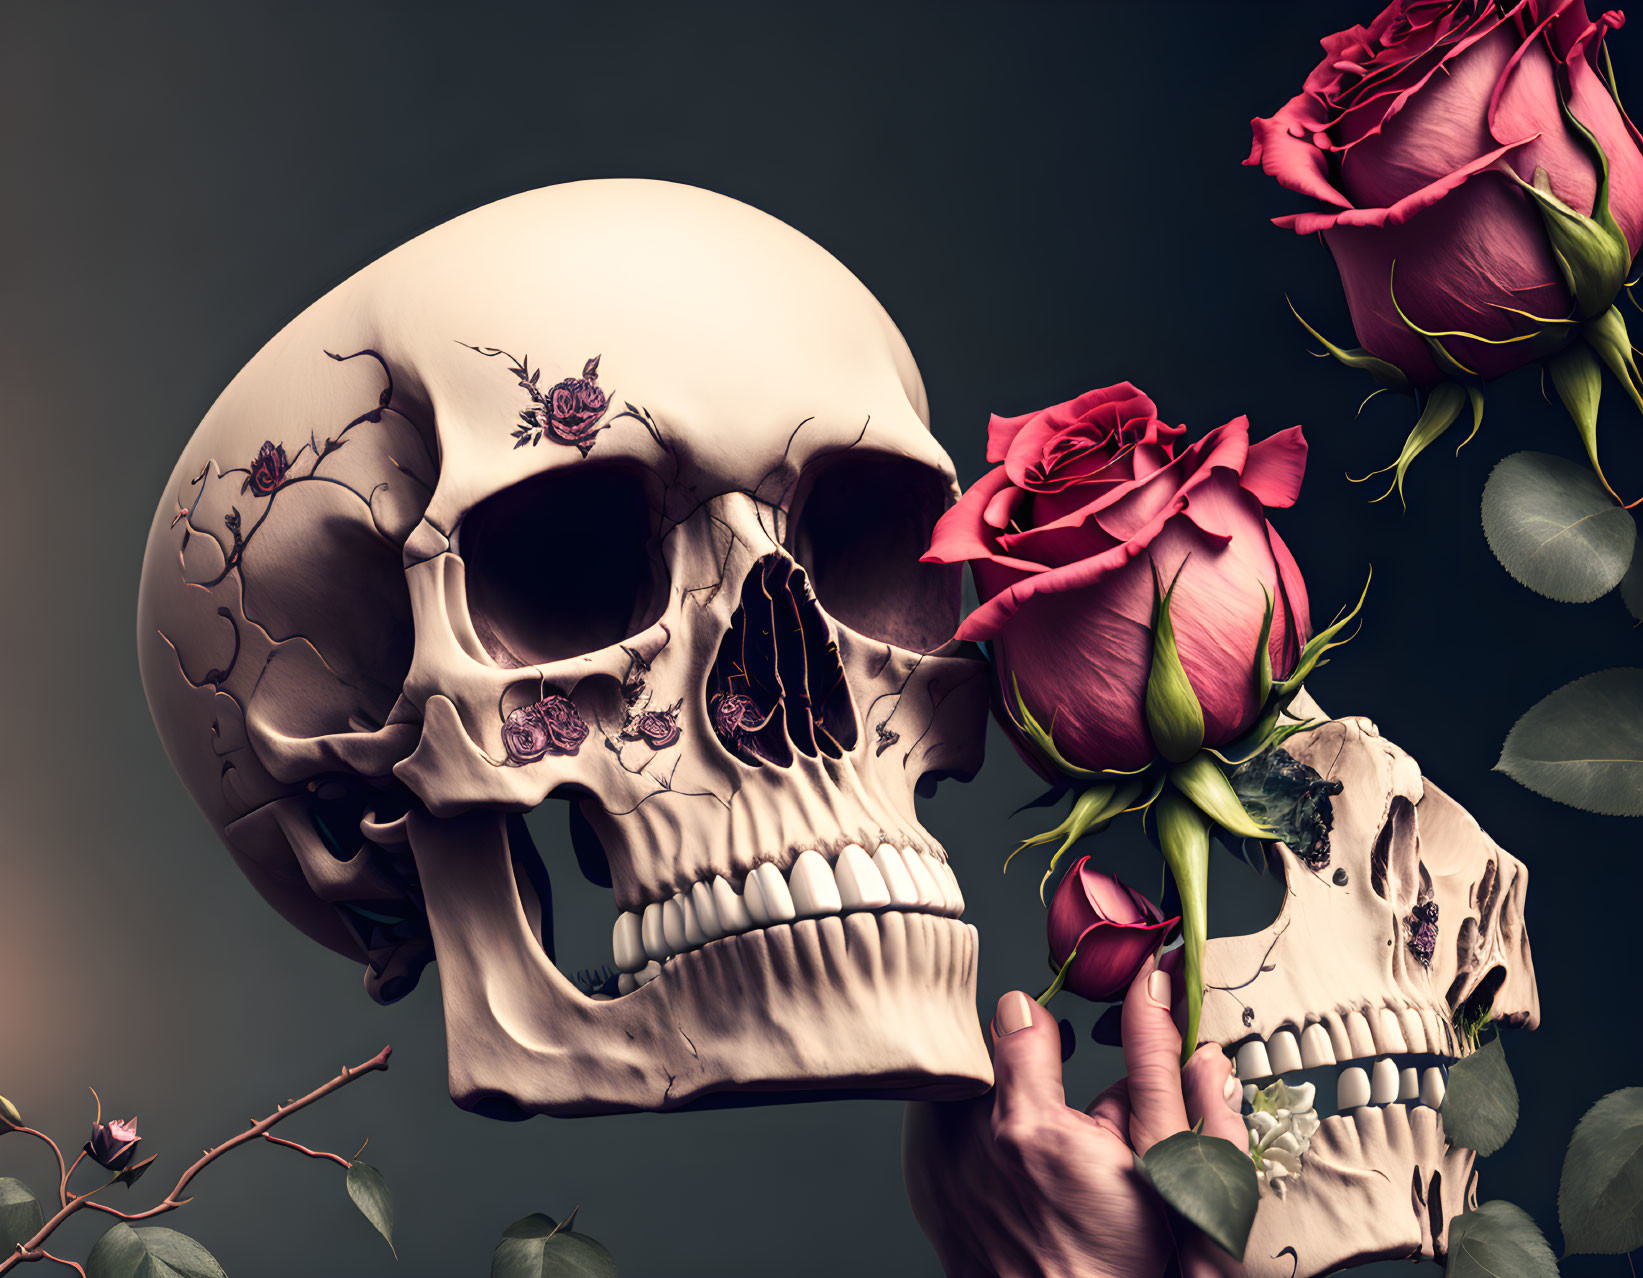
(1046, 197)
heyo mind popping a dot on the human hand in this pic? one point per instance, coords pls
(1016, 1184)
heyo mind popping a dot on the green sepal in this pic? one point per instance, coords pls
(1596, 258)
(1041, 738)
(1593, 256)
(1319, 644)
(1174, 716)
(1091, 812)
(1613, 343)
(1440, 354)
(1202, 780)
(1263, 654)
(1054, 986)
(1577, 375)
(1443, 404)
(1183, 836)
(1389, 374)
(1267, 735)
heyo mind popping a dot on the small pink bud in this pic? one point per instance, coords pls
(113, 1143)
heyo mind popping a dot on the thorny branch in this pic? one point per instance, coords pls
(33, 1250)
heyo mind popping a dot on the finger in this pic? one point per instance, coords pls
(1173, 963)
(1152, 1059)
(1213, 1095)
(1111, 1110)
(1026, 1060)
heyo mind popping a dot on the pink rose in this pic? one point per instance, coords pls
(113, 1143)
(1088, 502)
(1111, 925)
(1409, 132)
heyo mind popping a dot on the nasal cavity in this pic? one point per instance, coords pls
(777, 685)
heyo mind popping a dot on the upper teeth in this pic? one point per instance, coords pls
(1380, 1040)
(901, 878)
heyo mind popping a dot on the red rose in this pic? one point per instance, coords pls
(1412, 133)
(1111, 925)
(267, 469)
(1089, 502)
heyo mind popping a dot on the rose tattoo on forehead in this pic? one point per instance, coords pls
(570, 411)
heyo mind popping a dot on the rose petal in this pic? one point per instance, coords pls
(1110, 897)
(1274, 467)
(1109, 956)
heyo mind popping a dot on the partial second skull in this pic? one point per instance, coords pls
(1401, 922)
(613, 492)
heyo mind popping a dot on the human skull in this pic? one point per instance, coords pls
(1408, 918)
(663, 563)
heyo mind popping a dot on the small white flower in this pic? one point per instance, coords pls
(1280, 1130)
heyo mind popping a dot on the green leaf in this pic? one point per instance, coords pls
(374, 1199)
(1498, 1240)
(20, 1214)
(1631, 588)
(535, 1247)
(1480, 1106)
(1209, 1181)
(1600, 1198)
(1555, 528)
(124, 1252)
(1583, 744)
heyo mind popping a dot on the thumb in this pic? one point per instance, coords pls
(1152, 1060)
(1026, 1060)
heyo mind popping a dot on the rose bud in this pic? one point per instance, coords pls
(1089, 508)
(113, 1143)
(1112, 927)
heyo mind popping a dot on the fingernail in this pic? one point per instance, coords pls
(1158, 989)
(1234, 1093)
(1015, 1012)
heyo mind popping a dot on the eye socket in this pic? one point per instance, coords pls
(863, 519)
(562, 564)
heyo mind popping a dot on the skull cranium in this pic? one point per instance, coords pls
(661, 563)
